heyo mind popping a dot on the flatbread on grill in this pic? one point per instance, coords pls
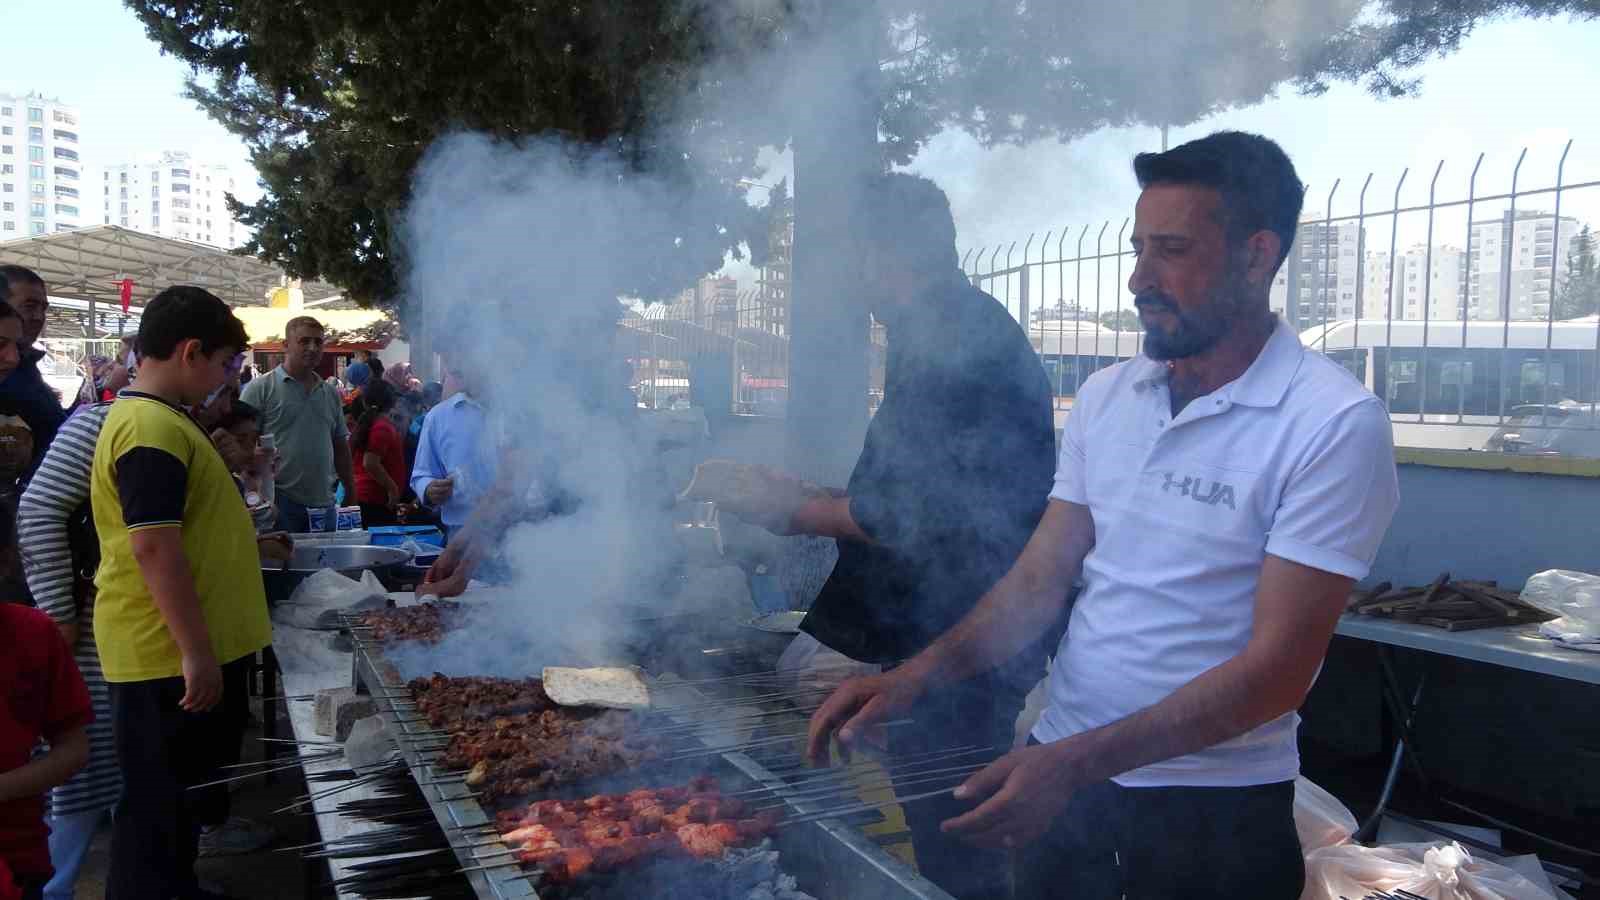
(608, 687)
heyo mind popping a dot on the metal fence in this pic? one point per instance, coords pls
(1492, 340)
(722, 346)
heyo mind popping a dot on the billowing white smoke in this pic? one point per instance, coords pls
(517, 255)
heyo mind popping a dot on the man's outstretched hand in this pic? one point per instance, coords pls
(857, 706)
(1021, 793)
(760, 495)
(448, 575)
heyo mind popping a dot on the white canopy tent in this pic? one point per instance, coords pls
(90, 264)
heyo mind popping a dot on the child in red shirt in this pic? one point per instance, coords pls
(42, 697)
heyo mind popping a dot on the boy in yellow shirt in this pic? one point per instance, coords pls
(180, 607)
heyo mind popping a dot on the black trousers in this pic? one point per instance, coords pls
(980, 712)
(1170, 843)
(162, 750)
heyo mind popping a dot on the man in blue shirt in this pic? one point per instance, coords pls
(454, 463)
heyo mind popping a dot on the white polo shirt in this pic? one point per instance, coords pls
(1294, 458)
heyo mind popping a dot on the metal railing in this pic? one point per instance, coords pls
(702, 349)
(1475, 355)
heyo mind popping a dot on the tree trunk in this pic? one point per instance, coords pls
(835, 147)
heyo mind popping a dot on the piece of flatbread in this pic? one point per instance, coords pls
(608, 687)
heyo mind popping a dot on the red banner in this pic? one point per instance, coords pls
(126, 286)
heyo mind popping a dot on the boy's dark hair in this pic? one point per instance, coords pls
(13, 274)
(1259, 187)
(184, 312)
(239, 412)
(911, 216)
(7, 311)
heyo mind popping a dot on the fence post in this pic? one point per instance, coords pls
(1466, 283)
(1361, 267)
(1550, 308)
(1022, 297)
(1120, 251)
(1427, 300)
(1508, 237)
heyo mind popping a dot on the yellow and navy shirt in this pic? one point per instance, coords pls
(154, 467)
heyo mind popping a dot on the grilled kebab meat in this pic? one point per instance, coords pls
(426, 622)
(516, 755)
(514, 741)
(448, 702)
(609, 831)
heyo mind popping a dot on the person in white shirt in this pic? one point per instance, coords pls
(1219, 496)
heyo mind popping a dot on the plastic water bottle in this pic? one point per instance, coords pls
(266, 486)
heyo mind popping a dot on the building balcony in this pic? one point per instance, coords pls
(70, 137)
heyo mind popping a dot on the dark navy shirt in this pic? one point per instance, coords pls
(25, 393)
(953, 477)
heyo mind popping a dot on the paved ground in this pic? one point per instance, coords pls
(264, 875)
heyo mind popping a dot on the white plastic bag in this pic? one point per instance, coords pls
(1443, 871)
(1575, 596)
(325, 590)
(1319, 818)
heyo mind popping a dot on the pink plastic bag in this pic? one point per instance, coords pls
(1319, 818)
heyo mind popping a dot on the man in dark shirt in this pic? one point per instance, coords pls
(24, 392)
(952, 479)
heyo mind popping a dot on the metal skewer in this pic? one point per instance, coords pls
(871, 779)
(729, 703)
(891, 763)
(298, 763)
(862, 807)
(956, 775)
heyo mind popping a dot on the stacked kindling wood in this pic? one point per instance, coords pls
(1451, 605)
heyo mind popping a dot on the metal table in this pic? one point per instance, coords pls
(1513, 647)
(331, 825)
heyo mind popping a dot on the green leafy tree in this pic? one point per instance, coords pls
(1579, 294)
(338, 99)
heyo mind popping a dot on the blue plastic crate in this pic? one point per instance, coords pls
(395, 535)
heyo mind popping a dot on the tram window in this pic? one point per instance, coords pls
(1401, 391)
(1541, 385)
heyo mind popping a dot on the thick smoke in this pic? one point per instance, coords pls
(517, 255)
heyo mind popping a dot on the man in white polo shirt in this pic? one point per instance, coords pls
(1218, 496)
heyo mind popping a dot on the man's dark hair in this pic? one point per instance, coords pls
(1260, 190)
(13, 274)
(7, 311)
(184, 312)
(239, 412)
(910, 215)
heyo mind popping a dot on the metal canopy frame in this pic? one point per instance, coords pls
(89, 263)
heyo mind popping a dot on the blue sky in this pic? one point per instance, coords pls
(1513, 84)
(94, 54)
